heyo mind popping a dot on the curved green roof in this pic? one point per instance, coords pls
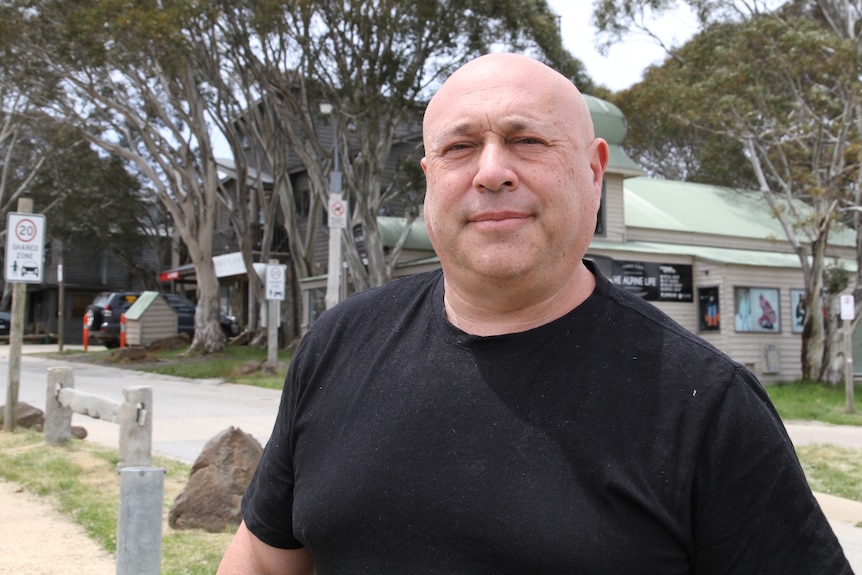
(610, 124)
(609, 121)
(390, 230)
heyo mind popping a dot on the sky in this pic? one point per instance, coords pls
(627, 60)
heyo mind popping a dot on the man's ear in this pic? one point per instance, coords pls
(599, 155)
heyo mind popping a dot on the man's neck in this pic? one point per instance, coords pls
(506, 309)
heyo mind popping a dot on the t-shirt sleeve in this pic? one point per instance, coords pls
(753, 509)
(267, 506)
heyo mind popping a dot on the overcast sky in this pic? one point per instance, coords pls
(626, 61)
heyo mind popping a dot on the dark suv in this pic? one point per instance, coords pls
(186, 316)
(102, 318)
(106, 309)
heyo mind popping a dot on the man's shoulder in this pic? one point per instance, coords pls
(652, 319)
(385, 302)
(396, 292)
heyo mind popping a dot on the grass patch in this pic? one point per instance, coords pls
(815, 402)
(231, 364)
(82, 479)
(227, 364)
(832, 469)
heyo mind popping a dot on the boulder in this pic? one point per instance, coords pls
(218, 479)
(30, 417)
(26, 416)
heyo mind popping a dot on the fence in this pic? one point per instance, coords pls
(139, 526)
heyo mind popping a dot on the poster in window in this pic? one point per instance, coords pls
(710, 314)
(757, 309)
(797, 310)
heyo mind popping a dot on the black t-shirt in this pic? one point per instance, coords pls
(611, 441)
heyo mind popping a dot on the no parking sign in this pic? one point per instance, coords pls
(275, 281)
(337, 211)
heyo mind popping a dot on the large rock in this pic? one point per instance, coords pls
(30, 417)
(219, 477)
(25, 416)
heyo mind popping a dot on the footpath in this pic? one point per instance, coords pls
(38, 540)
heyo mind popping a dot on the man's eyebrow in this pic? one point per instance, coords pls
(454, 131)
(467, 127)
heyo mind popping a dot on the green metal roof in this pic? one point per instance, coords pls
(718, 255)
(610, 124)
(705, 209)
(390, 230)
(609, 121)
(141, 305)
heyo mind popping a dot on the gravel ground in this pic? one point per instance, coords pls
(37, 540)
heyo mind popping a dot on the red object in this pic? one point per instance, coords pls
(122, 330)
(86, 334)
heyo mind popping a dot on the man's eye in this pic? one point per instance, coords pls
(527, 141)
(461, 146)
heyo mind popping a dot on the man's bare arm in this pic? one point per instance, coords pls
(248, 555)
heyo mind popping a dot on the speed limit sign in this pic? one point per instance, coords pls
(25, 247)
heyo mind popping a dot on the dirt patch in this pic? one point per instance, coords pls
(39, 540)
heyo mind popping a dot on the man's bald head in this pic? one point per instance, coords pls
(513, 73)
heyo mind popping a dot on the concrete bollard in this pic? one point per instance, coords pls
(58, 418)
(139, 526)
(136, 427)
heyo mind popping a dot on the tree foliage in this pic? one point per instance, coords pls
(154, 83)
(376, 63)
(780, 90)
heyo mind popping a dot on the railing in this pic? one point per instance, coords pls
(139, 526)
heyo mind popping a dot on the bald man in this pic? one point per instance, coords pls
(515, 412)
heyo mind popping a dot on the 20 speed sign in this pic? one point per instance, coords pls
(25, 247)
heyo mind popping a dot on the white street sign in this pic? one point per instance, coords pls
(227, 265)
(25, 247)
(848, 307)
(275, 282)
(337, 211)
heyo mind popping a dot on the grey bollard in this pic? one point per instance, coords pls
(58, 419)
(139, 525)
(136, 428)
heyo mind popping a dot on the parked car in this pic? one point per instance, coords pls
(185, 309)
(109, 306)
(5, 322)
(102, 318)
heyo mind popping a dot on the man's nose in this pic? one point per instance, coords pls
(496, 169)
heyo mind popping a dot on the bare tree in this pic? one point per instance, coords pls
(124, 76)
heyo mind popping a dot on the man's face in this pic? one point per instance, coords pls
(513, 180)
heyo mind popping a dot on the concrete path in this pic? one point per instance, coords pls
(187, 413)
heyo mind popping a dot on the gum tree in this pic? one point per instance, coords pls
(784, 88)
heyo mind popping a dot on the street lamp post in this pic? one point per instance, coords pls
(337, 220)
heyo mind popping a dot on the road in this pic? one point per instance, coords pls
(186, 413)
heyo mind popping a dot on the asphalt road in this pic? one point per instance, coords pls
(186, 413)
